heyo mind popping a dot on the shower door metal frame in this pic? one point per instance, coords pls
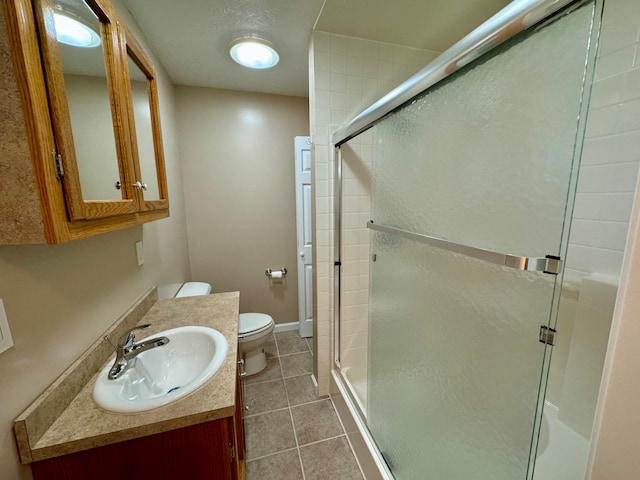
(517, 17)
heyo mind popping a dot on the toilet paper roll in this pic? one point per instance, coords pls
(276, 275)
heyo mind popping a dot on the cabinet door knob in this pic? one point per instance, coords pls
(118, 185)
(140, 186)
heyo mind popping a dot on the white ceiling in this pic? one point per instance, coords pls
(191, 37)
(427, 24)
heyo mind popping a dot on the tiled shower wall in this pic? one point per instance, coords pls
(611, 154)
(354, 298)
(606, 186)
(347, 75)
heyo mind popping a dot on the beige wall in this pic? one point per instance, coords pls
(59, 299)
(238, 167)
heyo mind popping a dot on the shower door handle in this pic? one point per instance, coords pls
(549, 264)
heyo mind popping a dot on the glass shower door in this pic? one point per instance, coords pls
(472, 191)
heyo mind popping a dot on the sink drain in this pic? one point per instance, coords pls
(172, 390)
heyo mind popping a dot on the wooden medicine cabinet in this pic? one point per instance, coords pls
(81, 141)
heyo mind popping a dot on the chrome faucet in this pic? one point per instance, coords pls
(127, 350)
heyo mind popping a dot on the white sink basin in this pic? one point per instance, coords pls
(164, 374)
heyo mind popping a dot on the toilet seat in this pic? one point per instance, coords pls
(253, 323)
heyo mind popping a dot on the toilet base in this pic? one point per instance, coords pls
(255, 361)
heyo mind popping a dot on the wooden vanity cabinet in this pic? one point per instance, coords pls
(70, 157)
(208, 451)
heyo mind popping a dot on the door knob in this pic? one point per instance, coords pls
(301, 254)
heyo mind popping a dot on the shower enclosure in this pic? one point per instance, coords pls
(453, 202)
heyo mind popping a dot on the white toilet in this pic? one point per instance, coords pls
(254, 329)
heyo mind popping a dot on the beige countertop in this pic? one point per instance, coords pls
(83, 425)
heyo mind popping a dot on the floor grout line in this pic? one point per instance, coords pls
(347, 436)
(262, 413)
(295, 353)
(323, 440)
(293, 424)
(272, 454)
(305, 374)
(309, 403)
(289, 407)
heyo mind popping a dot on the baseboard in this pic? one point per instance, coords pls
(286, 327)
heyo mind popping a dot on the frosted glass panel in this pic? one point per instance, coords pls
(455, 363)
(485, 158)
(355, 252)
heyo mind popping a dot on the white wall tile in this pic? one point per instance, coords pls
(614, 178)
(339, 44)
(590, 259)
(600, 234)
(620, 9)
(322, 42)
(624, 147)
(338, 82)
(386, 52)
(370, 50)
(618, 34)
(355, 48)
(613, 119)
(385, 71)
(349, 75)
(322, 61)
(616, 61)
(338, 63)
(323, 80)
(603, 206)
(355, 66)
(616, 89)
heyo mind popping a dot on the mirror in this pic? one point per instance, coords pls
(89, 101)
(140, 96)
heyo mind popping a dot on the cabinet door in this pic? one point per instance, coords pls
(85, 85)
(143, 114)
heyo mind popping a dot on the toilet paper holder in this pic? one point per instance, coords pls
(269, 273)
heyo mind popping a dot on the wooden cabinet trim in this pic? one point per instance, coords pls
(60, 205)
(78, 207)
(134, 50)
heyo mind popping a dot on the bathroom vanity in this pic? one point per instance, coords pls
(64, 434)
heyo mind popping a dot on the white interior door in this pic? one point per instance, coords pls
(304, 229)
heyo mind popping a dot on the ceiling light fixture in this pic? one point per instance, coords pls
(253, 52)
(72, 31)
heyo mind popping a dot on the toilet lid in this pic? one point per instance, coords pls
(250, 322)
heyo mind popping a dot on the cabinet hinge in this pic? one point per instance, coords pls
(232, 452)
(547, 335)
(57, 162)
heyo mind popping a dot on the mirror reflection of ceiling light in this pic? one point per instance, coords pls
(253, 53)
(74, 32)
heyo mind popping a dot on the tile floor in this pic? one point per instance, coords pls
(290, 433)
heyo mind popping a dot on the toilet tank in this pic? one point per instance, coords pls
(192, 289)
